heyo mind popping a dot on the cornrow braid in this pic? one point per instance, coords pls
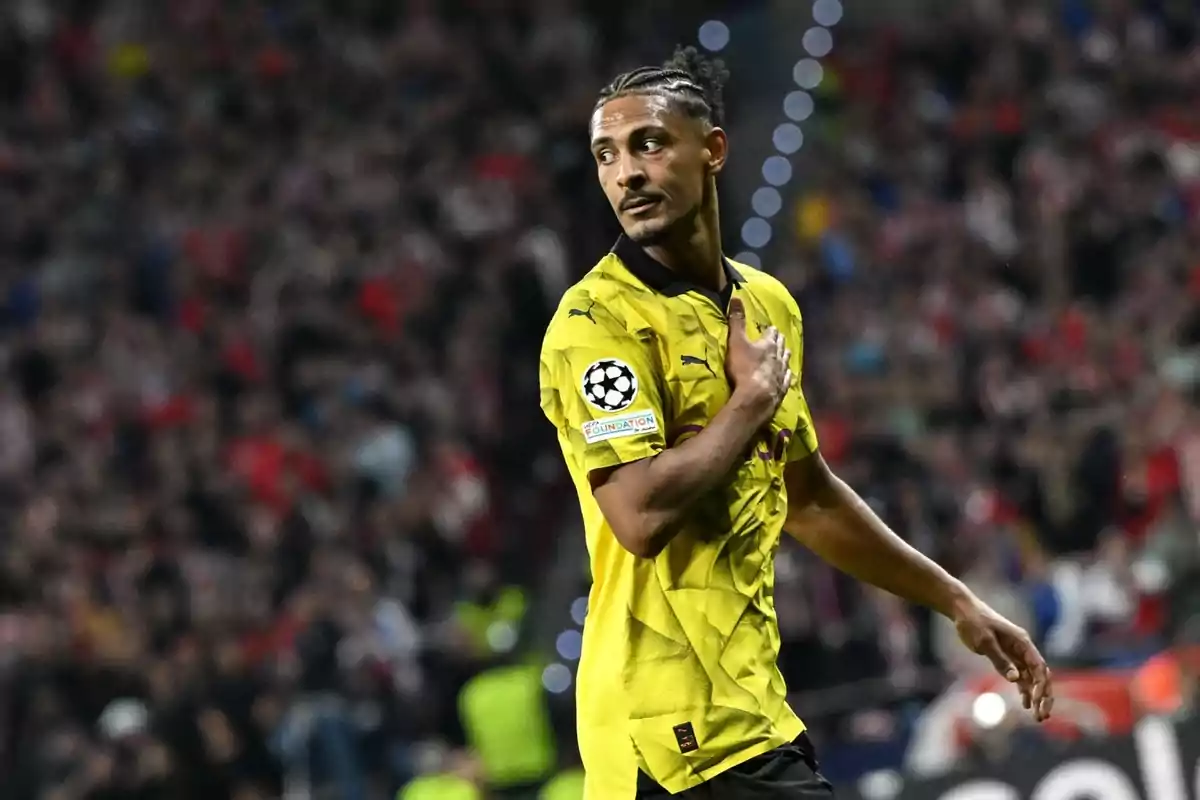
(692, 80)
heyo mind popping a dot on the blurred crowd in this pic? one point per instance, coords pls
(997, 251)
(272, 282)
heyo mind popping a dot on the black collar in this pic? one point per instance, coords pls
(663, 280)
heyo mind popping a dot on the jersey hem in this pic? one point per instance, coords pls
(745, 755)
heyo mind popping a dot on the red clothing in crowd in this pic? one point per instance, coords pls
(263, 462)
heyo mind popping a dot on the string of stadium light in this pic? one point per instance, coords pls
(756, 232)
(767, 202)
(788, 138)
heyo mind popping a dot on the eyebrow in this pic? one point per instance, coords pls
(641, 130)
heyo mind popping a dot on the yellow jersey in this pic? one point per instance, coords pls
(678, 674)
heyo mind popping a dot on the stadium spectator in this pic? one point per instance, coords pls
(272, 282)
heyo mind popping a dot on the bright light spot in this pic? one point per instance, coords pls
(569, 644)
(884, 784)
(756, 232)
(748, 258)
(807, 73)
(827, 12)
(579, 610)
(556, 678)
(817, 42)
(978, 506)
(777, 170)
(1151, 575)
(788, 138)
(798, 105)
(766, 201)
(989, 709)
(714, 35)
(501, 637)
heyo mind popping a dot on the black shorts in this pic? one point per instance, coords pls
(789, 772)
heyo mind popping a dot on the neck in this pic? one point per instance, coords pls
(694, 253)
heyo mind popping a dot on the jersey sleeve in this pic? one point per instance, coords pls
(804, 437)
(601, 390)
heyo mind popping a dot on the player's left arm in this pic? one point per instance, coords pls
(829, 518)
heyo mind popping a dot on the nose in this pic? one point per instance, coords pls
(630, 174)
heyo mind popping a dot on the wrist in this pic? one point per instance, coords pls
(750, 407)
(957, 601)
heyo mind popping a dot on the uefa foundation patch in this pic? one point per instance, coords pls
(600, 430)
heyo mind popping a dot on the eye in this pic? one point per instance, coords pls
(652, 145)
(604, 157)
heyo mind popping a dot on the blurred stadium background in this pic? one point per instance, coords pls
(281, 517)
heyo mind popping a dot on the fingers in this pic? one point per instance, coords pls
(1046, 707)
(1038, 677)
(774, 337)
(1034, 681)
(737, 316)
(990, 648)
(783, 358)
(782, 351)
(1043, 702)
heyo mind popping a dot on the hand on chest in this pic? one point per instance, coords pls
(695, 383)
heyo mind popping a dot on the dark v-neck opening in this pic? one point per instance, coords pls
(665, 281)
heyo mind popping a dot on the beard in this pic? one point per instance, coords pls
(662, 231)
(652, 233)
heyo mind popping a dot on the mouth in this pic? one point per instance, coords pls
(640, 205)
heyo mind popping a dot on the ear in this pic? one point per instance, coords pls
(716, 147)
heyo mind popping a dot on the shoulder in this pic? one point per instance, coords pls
(602, 304)
(769, 288)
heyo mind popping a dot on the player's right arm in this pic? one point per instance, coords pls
(643, 488)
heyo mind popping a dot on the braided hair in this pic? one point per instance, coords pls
(692, 81)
